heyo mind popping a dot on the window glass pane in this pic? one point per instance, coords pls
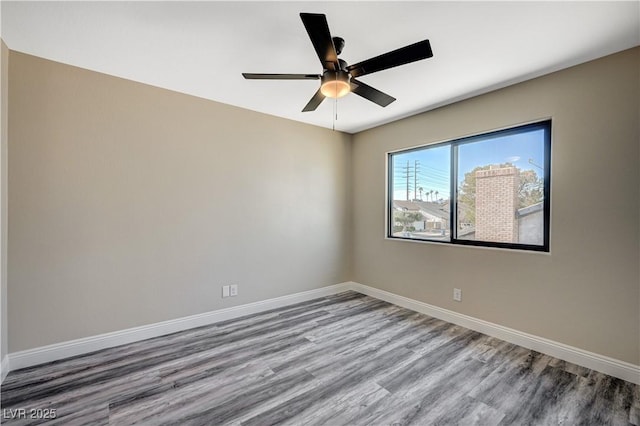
(501, 187)
(420, 187)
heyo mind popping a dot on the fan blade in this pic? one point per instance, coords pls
(369, 93)
(314, 102)
(404, 55)
(251, 76)
(318, 30)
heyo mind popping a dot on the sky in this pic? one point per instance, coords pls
(433, 164)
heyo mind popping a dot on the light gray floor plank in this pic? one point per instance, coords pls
(345, 359)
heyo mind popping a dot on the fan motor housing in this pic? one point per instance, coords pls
(338, 44)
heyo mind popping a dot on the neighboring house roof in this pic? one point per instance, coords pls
(525, 211)
(405, 205)
(438, 210)
(427, 207)
(468, 232)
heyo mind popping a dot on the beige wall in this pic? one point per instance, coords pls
(130, 204)
(4, 98)
(586, 292)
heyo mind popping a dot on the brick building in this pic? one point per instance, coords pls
(497, 204)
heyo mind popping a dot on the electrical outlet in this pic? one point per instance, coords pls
(225, 291)
(457, 295)
(233, 290)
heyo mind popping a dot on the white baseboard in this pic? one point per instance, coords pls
(41, 355)
(4, 368)
(613, 367)
(601, 363)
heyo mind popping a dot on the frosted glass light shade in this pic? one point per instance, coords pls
(335, 84)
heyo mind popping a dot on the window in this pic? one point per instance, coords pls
(487, 190)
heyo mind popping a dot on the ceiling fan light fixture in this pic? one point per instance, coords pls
(335, 84)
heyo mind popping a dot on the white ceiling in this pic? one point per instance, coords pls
(201, 48)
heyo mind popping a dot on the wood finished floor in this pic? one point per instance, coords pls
(346, 359)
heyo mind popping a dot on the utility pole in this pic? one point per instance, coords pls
(407, 176)
(416, 164)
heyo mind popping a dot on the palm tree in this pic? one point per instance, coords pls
(431, 193)
(420, 189)
(437, 195)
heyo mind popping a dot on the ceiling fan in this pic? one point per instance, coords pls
(338, 78)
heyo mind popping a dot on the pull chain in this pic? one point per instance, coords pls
(335, 113)
(335, 107)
